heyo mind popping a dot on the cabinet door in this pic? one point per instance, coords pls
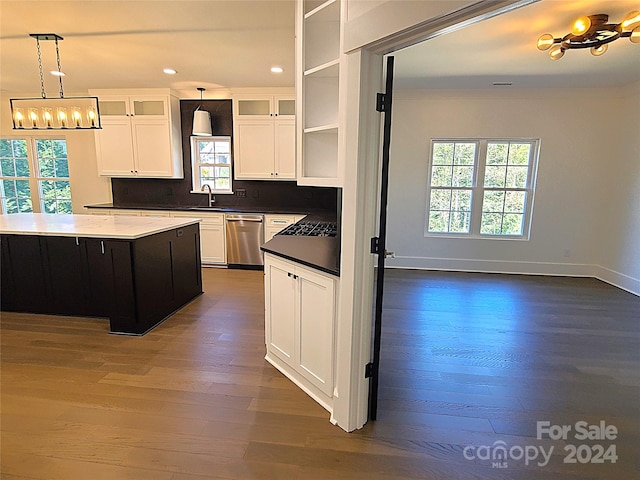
(281, 306)
(149, 107)
(121, 290)
(185, 264)
(69, 288)
(254, 144)
(113, 106)
(285, 106)
(317, 305)
(152, 146)
(212, 243)
(115, 147)
(253, 107)
(285, 149)
(24, 279)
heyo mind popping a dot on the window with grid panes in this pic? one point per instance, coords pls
(34, 176)
(481, 187)
(211, 160)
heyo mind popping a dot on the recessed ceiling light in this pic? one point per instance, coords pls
(169, 71)
(57, 73)
(276, 70)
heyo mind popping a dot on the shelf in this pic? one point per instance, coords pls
(320, 95)
(329, 69)
(315, 7)
(321, 37)
(320, 154)
(322, 128)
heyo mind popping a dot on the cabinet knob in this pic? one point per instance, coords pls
(276, 174)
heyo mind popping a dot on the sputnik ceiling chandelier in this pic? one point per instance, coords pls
(51, 113)
(592, 32)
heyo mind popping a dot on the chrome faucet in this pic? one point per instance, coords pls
(212, 198)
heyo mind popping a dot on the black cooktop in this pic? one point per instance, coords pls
(308, 228)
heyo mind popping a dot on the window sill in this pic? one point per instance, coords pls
(463, 236)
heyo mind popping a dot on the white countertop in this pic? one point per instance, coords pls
(96, 226)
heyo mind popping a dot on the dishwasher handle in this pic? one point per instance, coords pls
(244, 218)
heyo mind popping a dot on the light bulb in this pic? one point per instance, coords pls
(556, 52)
(545, 42)
(581, 25)
(76, 116)
(57, 73)
(91, 116)
(599, 50)
(33, 117)
(631, 20)
(62, 117)
(47, 117)
(18, 118)
(635, 35)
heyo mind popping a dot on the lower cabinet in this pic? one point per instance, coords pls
(300, 306)
(212, 236)
(135, 283)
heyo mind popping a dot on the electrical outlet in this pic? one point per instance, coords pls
(241, 192)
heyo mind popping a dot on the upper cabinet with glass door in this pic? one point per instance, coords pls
(318, 53)
(264, 136)
(140, 134)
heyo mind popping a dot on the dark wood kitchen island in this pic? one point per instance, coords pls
(136, 271)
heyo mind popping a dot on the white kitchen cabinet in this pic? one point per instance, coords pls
(212, 236)
(264, 137)
(155, 213)
(300, 304)
(275, 224)
(140, 135)
(318, 77)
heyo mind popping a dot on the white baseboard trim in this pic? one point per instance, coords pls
(625, 282)
(617, 279)
(300, 382)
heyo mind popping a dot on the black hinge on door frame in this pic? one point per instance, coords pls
(368, 370)
(381, 102)
(375, 245)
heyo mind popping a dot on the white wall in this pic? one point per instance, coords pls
(619, 252)
(87, 186)
(586, 176)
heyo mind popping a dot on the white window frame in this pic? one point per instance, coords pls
(477, 189)
(35, 179)
(195, 164)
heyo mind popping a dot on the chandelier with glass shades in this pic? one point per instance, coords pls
(54, 113)
(592, 32)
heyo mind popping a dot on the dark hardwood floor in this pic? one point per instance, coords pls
(468, 360)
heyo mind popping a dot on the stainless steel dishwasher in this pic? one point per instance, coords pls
(245, 234)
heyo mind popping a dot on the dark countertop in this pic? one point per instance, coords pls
(221, 208)
(322, 253)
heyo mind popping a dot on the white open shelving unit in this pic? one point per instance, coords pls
(318, 106)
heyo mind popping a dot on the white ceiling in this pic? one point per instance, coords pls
(233, 43)
(503, 49)
(126, 44)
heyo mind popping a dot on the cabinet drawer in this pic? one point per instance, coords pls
(207, 218)
(280, 220)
